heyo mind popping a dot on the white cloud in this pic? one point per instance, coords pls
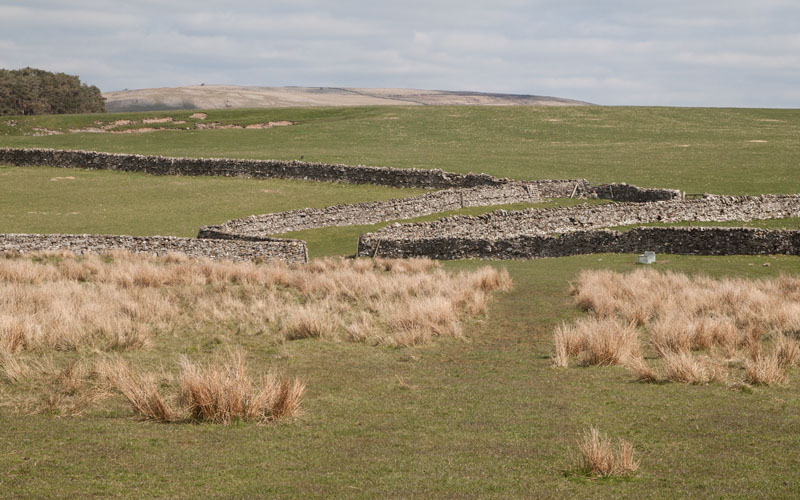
(307, 24)
(588, 82)
(422, 39)
(741, 60)
(66, 19)
(681, 52)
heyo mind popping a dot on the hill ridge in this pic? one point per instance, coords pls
(236, 96)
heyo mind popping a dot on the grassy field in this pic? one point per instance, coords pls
(482, 417)
(726, 151)
(54, 200)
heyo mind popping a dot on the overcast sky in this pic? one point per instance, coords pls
(641, 52)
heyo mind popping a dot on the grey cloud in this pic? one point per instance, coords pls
(715, 53)
(64, 19)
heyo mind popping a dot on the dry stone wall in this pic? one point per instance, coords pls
(563, 188)
(678, 240)
(520, 234)
(502, 223)
(370, 213)
(160, 165)
(628, 192)
(418, 206)
(358, 174)
(549, 232)
(291, 251)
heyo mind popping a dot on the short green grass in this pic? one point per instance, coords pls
(54, 200)
(696, 150)
(484, 417)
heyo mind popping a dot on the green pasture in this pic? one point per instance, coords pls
(726, 151)
(482, 417)
(55, 200)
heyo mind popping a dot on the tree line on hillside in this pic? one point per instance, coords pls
(31, 91)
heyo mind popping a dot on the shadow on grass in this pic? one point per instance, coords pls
(579, 476)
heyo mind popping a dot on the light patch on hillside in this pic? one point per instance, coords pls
(232, 96)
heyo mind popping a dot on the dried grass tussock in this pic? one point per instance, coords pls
(606, 341)
(765, 370)
(598, 456)
(121, 300)
(140, 389)
(221, 392)
(61, 315)
(47, 386)
(750, 326)
(689, 369)
(224, 392)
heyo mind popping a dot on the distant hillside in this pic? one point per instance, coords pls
(232, 96)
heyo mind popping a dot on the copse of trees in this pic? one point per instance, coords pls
(31, 91)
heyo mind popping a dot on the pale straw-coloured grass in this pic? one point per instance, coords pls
(56, 307)
(604, 341)
(423, 317)
(644, 372)
(644, 295)
(122, 301)
(599, 456)
(687, 368)
(221, 391)
(570, 340)
(610, 343)
(314, 320)
(787, 351)
(12, 368)
(731, 320)
(141, 389)
(671, 335)
(765, 369)
(46, 386)
(224, 392)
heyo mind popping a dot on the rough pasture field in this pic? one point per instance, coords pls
(695, 150)
(483, 416)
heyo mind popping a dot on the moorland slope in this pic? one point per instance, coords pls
(233, 96)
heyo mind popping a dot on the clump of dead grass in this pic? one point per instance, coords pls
(58, 301)
(599, 457)
(644, 372)
(689, 369)
(139, 388)
(643, 296)
(787, 351)
(309, 321)
(56, 308)
(225, 393)
(765, 370)
(606, 341)
(43, 385)
(11, 368)
(728, 320)
(221, 392)
(570, 341)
